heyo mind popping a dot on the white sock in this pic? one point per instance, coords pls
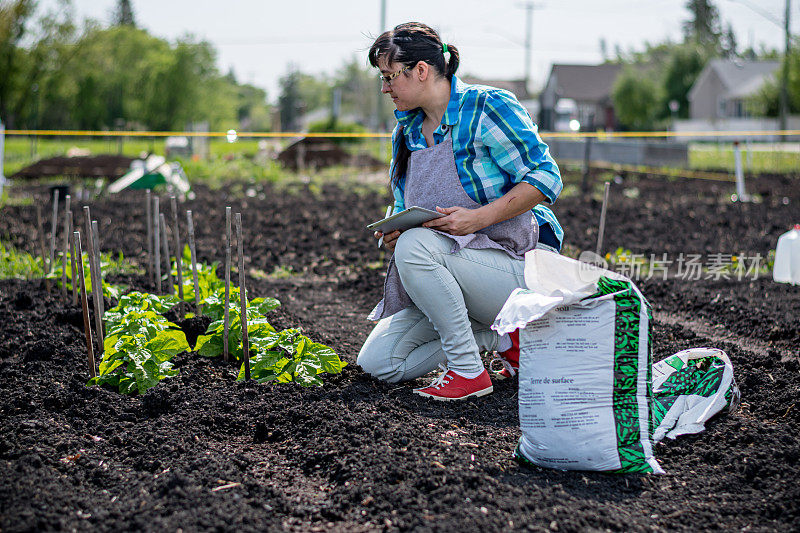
(468, 375)
(504, 343)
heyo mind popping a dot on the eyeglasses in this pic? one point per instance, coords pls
(388, 79)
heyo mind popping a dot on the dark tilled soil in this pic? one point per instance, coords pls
(203, 452)
(98, 166)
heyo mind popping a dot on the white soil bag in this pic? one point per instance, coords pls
(689, 388)
(585, 393)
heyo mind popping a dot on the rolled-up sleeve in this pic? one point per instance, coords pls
(514, 144)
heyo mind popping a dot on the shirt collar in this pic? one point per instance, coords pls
(457, 88)
(450, 118)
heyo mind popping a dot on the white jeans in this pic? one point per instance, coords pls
(457, 297)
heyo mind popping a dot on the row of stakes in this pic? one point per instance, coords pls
(157, 241)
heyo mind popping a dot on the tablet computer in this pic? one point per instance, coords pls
(410, 218)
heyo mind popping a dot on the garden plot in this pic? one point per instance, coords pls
(202, 451)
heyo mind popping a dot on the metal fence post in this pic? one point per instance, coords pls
(741, 194)
(587, 153)
(2, 155)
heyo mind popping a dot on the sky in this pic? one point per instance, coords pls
(258, 39)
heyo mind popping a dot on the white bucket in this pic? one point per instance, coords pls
(787, 257)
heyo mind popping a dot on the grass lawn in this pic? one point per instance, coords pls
(761, 157)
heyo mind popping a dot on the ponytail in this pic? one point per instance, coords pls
(401, 159)
(452, 62)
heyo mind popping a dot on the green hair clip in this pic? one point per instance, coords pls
(444, 48)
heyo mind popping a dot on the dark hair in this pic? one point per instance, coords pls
(408, 44)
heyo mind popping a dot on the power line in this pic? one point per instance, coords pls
(763, 12)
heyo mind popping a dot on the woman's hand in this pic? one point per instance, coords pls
(458, 220)
(461, 221)
(389, 240)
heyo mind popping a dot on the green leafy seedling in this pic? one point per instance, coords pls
(289, 356)
(211, 344)
(139, 344)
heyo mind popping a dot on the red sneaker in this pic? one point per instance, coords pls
(509, 358)
(450, 386)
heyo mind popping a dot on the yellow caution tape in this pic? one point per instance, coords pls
(279, 134)
(601, 135)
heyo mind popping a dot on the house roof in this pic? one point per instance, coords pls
(739, 77)
(586, 83)
(517, 87)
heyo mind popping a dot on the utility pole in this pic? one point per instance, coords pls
(379, 118)
(784, 101)
(2, 155)
(529, 7)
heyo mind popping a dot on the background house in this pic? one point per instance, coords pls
(581, 92)
(718, 99)
(724, 85)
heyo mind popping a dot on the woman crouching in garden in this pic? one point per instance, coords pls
(472, 153)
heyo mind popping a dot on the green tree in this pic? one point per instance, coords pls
(14, 17)
(252, 111)
(289, 101)
(301, 93)
(637, 98)
(54, 76)
(681, 69)
(728, 42)
(22, 68)
(123, 14)
(704, 24)
(360, 92)
(314, 91)
(767, 101)
(121, 65)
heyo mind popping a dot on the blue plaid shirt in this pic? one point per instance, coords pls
(495, 145)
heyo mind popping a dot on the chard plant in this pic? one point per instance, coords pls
(207, 279)
(139, 344)
(110, 264)
(289, 356)
(140, 301)
(280, 356)
(16, 264)
(214, 305)
(211, 344)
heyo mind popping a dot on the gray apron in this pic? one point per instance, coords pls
(432, 180)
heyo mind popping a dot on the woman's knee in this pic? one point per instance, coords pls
(378, 363)
(418, 244)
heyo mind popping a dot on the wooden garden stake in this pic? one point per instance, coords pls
(74, 270)
(157, 245)
(96, 248)
(602, 219)
(165, 243)
(149, 217)
(178, 252)
(87, 328)
(190, 227)
(64, 249)
(225, 351)
(53, 231)
(243, 299)
(42, 246)
(96, 294)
